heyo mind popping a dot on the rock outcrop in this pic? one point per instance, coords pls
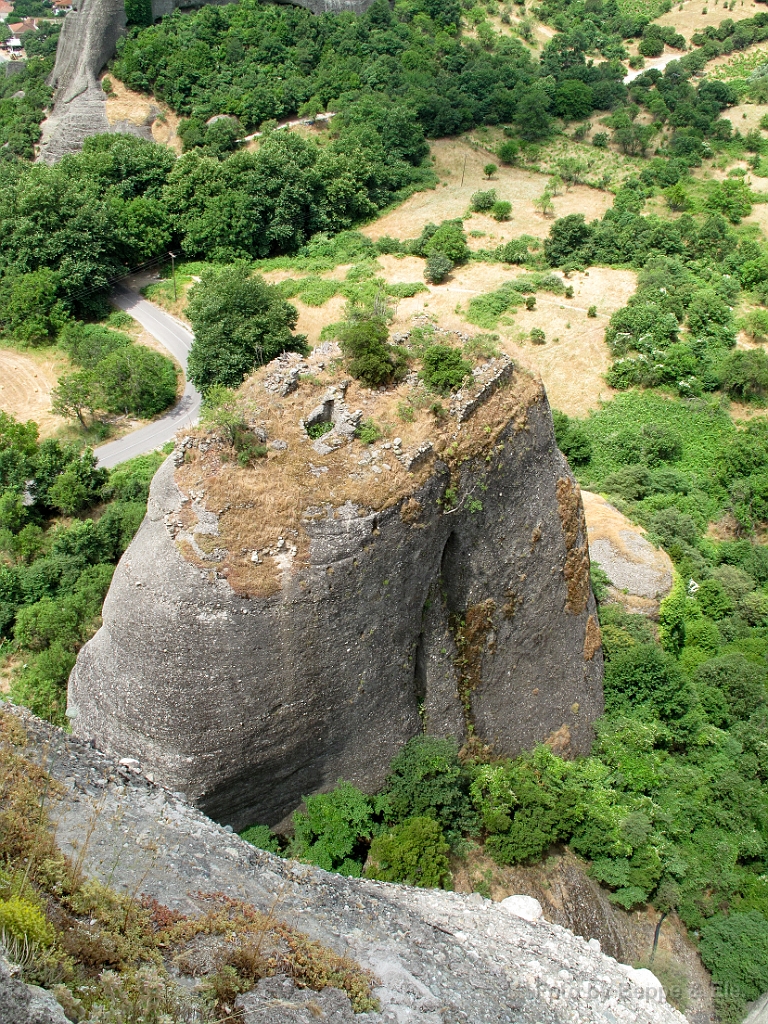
(88, 40)
(640, 574)
(453, 599)
(25, 1004)
(438, 957)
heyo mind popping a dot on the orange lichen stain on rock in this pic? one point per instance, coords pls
(559, 741)
(576, 569)
(592, 639)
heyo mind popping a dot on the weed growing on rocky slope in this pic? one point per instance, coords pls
(107, 955)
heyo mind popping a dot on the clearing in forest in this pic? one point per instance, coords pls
(27, 381)
(456, 159)
(124, 106)
(697, 14)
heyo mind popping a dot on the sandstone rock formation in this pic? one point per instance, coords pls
(88, 40)
(454, 598)
(438, 957)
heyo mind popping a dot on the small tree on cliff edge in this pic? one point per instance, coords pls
(239, 322)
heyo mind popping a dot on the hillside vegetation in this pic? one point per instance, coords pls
(664, 182)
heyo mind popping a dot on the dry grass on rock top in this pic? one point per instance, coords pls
(272, 498)
(571, 368)
(123, 104)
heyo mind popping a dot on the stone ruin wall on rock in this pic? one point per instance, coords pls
(88, 41)
(469, 620)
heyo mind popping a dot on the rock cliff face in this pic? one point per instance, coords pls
(88, 40)
(457, 602)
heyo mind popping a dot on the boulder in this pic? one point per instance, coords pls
(522, 906)
(640, 573)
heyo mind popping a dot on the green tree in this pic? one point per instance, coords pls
(744, 374)
(413, 853)
(334, 829)
(239, 322)
(426, 779)
(437, 268)
(508, 151)
(369, 356)
(489, 170)
(646, 680)
(735, 949)
(75, 394)
(136, 380)
(450, 240)
(30, 307)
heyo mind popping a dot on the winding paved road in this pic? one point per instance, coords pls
(178, 341)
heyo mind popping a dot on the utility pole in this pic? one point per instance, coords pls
(173, 272)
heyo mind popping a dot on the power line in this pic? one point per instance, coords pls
(147, 265)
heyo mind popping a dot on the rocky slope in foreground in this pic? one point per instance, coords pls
(274, 628)
(438, 957)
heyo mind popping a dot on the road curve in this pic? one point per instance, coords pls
(178, 340)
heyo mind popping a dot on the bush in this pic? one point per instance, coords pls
(651, 47)
(262, 837)
(426, 779)
(450, 240)
(530, 302)
(413, 853)
(368, 432)
(538, 336)
(335, 828)
(592, 311)
(734, 949)
(508, 151)
(369, 358)
(483, 201)
(444, 368)
(501, 210)
(25, 921)
(437, 268)
(572, 440)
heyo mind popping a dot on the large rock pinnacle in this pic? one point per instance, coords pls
(460, 605)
